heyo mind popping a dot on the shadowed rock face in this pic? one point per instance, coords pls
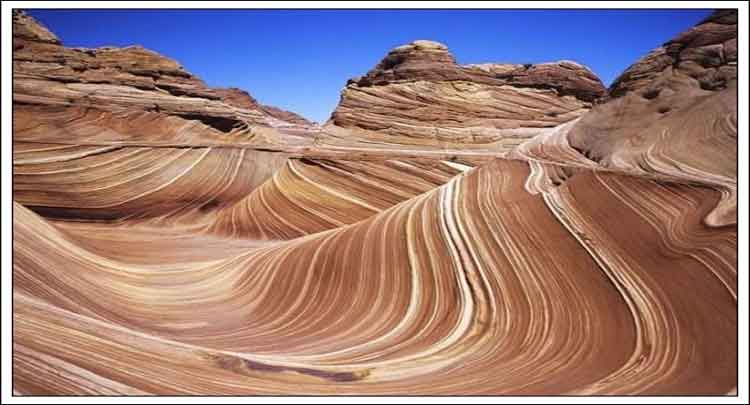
(123, 79)
(155, 253)
(418, 90)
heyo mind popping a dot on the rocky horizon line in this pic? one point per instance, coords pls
(43, 32)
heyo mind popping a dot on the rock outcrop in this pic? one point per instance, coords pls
(706, 53)
(129, 79)
(156, 254)
(28, 29)
(478, 286)
(418, 91)
(674, 113)
(242, 99)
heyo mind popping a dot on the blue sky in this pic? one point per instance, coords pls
(300, 60)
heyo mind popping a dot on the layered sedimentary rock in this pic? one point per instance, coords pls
(313, 195)
(117, 183)
(156, 254)
(123, 133)
(242, 99)
(418, 94)
(706, 52)
(672, 114)
(440, 294)
(48, 74)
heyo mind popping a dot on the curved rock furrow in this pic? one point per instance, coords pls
(308, 196)
(173, 239)
(664, 315)
(674, 113)
(432, 295)
(118, 183)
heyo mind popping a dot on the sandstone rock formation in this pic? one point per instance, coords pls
(155, 253)
(706, 52)
(418, 92)
(672, 114)
(242, 99)
(48, 74)
(441, 294)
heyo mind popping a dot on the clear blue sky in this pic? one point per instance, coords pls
(300, 59)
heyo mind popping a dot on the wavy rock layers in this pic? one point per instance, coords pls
(172, 257)
(125, 133)
(674, 113)
(239, 192)
(418, 95)
(450, 298)
(308, 196)
(117, 183)
(242, 99)
(49, 75)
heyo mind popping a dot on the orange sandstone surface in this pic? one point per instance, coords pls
(451, 230)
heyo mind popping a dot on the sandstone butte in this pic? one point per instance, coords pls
(418, 92)
(452, 229)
